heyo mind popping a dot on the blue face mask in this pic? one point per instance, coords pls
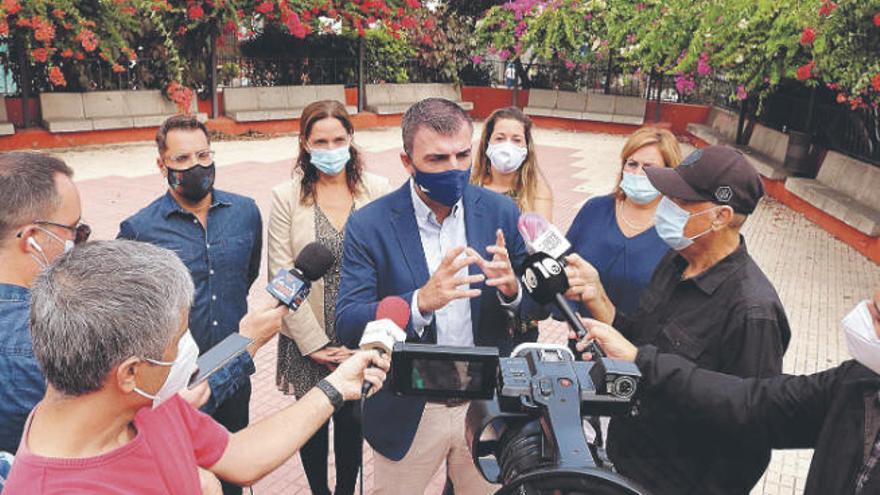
(670, 220)
(446, 187)
(638, 188)
(331, 162)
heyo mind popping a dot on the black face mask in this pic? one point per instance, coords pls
(193, 183)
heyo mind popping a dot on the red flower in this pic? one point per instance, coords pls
(67, 53)
(79, 56)
(118, 68)
(413, 4)
(875, 82)
(805, 71)
(88, 40)
(40, 54)
(43, 30)
(11, 6)
(130, 54)
(808, 36)
(827, 8)
(56, 77)
(59, 14)
(128, 10)
(195, 11)
(877, 19)
(4, 27)
(265, 7)
(841, 97)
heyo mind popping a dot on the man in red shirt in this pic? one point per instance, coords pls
(109, 328)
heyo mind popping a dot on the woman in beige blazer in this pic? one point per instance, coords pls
(328, 184)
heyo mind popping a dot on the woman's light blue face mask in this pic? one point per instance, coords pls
(330, 162)
(638, 188)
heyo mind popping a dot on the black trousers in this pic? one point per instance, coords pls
(234, 414)
(347, 447)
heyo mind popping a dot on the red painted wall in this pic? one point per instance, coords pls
(678, 115)
(351, 96)
(487, 100)
(14, 113)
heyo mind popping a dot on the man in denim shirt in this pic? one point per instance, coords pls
(39, 220)
(218, 236)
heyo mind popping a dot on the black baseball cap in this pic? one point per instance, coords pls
(719, 174)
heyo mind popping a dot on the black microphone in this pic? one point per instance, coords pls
(544, 279)
(291, 287)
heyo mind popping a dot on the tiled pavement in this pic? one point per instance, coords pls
(818, 278)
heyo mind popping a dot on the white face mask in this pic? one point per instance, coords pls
(182, 369)
(68, 245)
(861, 337)
(670, 220)
(506, 157)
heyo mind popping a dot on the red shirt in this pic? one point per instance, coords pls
(171, 441)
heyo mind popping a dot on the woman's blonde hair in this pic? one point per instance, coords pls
(527, 175)
(665, 142)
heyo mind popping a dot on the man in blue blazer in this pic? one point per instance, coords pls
(448, 249)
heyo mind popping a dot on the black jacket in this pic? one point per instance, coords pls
(835, 412)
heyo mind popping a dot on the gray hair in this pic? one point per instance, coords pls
(27, 188)
(438, 114)
(101, 303)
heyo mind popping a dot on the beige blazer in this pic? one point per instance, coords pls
(291, 227)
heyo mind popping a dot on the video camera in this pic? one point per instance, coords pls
(524, 423)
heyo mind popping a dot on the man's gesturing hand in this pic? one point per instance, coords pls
(350, 375)
(499, 273)
(443, 285)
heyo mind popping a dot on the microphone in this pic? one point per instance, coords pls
(392, 315)
(291, 287)
(540, 235)
(544, 279)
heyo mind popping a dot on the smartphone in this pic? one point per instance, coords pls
(218, 356)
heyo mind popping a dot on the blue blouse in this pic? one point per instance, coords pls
(625, 265)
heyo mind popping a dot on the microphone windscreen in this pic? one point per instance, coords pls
(531, 225)
(314, 261)
(395, 309)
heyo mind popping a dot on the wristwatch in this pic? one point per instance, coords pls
(334, 395)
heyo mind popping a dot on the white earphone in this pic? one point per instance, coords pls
(32, 243)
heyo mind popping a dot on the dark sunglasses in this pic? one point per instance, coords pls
(81, 232)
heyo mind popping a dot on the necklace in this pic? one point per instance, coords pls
(638, 227)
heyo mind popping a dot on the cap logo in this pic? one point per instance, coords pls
(691, 159)
(723, 194)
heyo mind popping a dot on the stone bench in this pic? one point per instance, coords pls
(586, 106)
(390, 99)
(846, 189)
(101, 110)
(719, 127)
(6, 127)
(251, 104)
(766, 152)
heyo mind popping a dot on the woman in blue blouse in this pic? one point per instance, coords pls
(615, 233)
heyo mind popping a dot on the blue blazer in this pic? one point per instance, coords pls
(383, 256)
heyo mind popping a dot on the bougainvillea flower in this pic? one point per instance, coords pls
(805, 71)
(808, 35)
(56, 77)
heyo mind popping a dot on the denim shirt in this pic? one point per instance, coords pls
(23, 382)
(224, 261)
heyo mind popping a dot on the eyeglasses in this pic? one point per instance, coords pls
(81, 232)
(204, 158)
(634, 164)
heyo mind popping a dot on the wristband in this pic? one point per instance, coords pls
(334, 395)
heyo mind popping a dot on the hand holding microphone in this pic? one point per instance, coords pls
(392, 315)
(543, 276)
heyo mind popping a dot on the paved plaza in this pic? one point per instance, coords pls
(818, 277)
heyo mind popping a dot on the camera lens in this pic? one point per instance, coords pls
(624, 387)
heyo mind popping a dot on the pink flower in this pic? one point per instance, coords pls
(569, 64)
(703, 67)
(504, 54)
(477, 60)
(685, 84)
(877, 19)
(741, 93)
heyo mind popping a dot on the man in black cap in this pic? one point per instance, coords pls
(709, 302)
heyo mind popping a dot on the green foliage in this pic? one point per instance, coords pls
(387, 57)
